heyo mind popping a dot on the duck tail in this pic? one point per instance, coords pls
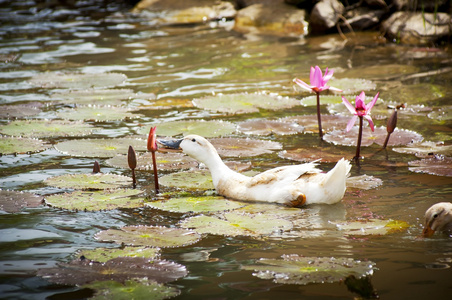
(335, 179)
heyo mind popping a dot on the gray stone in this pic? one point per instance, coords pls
(363, 18)
(325, 15)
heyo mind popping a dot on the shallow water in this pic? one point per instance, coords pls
(185, 62)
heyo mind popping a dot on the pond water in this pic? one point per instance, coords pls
(178, 64)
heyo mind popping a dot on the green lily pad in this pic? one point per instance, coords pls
(425, 149)
(310, 123)
(111, 97)
(97, 113)
(13, 202)
(131, 289)
(105, 254)
(238, 147)
(324, 99)
(244, 103)
(199, 127)
(267, 127)
(165, 103)
(196, 204)
(195, 180)
(295, 269)
(270, 209)
(363, 182)
(46, 128)
(15, 145)
(434, 165)
(100, 147)
(352, 86)
(96, 181)
(372, 227)
(77, 80)
(152, 236)
(165, 161)
(18, 111)
(235, 224)
(121, 269)
(96, 200)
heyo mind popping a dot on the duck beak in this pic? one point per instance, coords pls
(428, 231)
(172, 144)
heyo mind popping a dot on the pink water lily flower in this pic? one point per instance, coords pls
(360, 110)
(317, 80)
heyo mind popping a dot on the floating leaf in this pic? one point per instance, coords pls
(267, 127)
(310, 123)
(189, 180)
(442, 114)
(372, 227)
(398, 137)
(102, 97)
(244, 103)
(12, 201)
(364, 182)
(243, 147)
(96, 200)
(165, 103)
(426, 148)
(415, 93)
(295, 269)
(152, 236)
(131, 289)
(313, 154)
(435, 165)
(15, 145)
(235, 224)
(199, 127)
(97, 181)
(97, 113)
(196, 204)
(165, 161)
(324, 99)
(76, 80)
(100, 147)
(121, 269)
(18, 111)
(105, 254)
(46, 128)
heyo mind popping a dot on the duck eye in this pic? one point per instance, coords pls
(193, 140)
(435, 216)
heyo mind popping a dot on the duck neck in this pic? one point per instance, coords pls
(217, 167)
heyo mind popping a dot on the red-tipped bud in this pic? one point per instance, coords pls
(96, 167)
(152, 141)
(392, 122)
(132, 158)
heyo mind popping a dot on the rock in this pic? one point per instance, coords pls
(362, 18)
(325, 15)
(376, 3)
(164, 12)
(426, 6)
(278, 19)
(417, 28)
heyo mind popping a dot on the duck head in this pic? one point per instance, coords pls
(438, 217)
(193, 145)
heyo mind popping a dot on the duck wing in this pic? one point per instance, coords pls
(284, 174)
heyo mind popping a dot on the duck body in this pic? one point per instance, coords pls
(293, 185)
(438, 218)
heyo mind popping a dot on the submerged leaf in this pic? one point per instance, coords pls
(152, 236)
(310, 123)
(434, 165)
(105, 254)
(313, 154)
(97, 181)
(200, 127)
(243, 147)
(121, 269)
(364, 182)
(352, 86)
(12, 201)
(372, 227)
(96, 200)
(267, 127)
(196, 204)
(426, 148)
(16, 145)
(77, 80)
(97, 113)
(324, 99)
(295, 269)
(165, 161)
(18, 111)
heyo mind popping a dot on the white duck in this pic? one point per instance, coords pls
(438, 218)
(292, 185)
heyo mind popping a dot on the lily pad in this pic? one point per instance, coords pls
(97, 113)
(165, 161)
(425, 149)
(239, 147)
(418, 93)
(77, 80)
(196, 180)
(131, 289)
(267, 127)
(313, 154)
(152, 236)
(46, 128)
(372, 227)
(352, 86)
(100, 147)
(442, 114)
(398, 137)
(310, 124)
(105, 254)
(165, 103)
(196, 204)
(244, 103)
(121, 269)
(199, 127)
(363, 182)
(13, 202)
(324, 99)
(295, 269)
(18, 111)
(434, 165)
(115, 97)
(96, 200)
(235, 224)
(15, 145)
(96, 181)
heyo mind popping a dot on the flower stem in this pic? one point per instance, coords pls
(134, 179)
(319, 118)
(360, 134)
(156, 179)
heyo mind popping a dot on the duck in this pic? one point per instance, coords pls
(292, 185)
(438, 218)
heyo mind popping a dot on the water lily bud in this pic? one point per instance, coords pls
(152, 142)
(96, 167)
(392, 122)
(132, 158)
